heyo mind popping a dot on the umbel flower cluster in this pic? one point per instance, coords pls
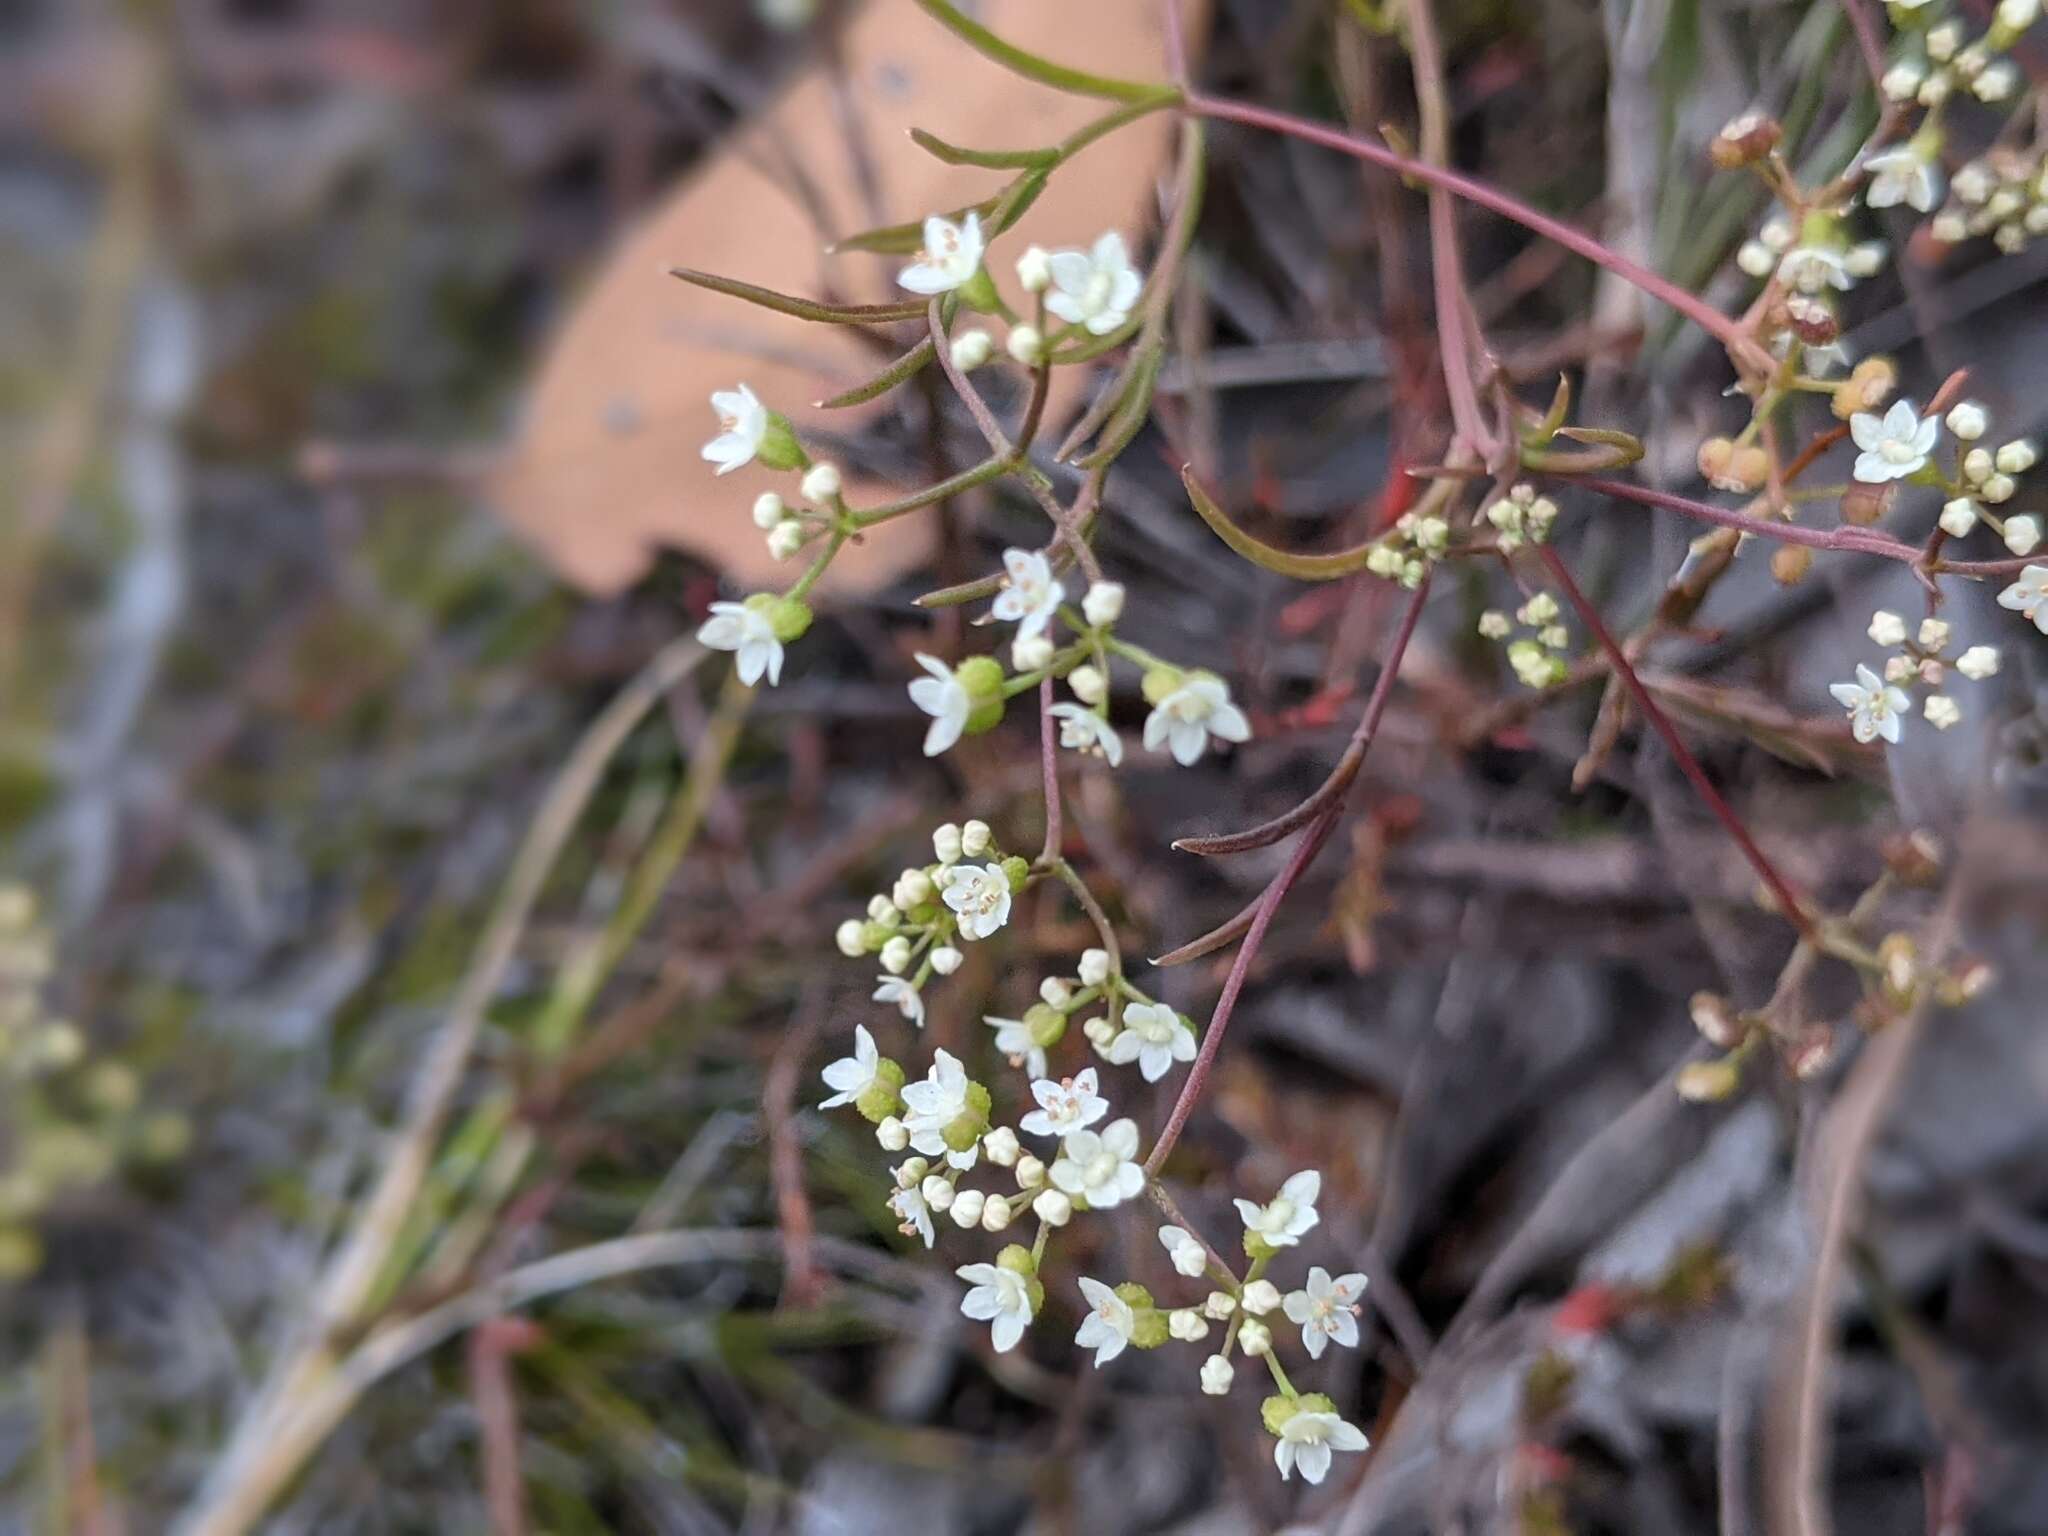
(1042, 1146)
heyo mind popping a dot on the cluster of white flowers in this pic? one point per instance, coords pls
(1811, 263)
(1538, 657)
(1879, 705)
(1900, 445)
(2003, 193)
(1940, 60)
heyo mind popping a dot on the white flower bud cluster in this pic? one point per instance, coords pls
(1878, 705)
(1406, 551)
(1521, 516)
(1949, 63)
(1987, 478)
(1537, 656)
(2003, 194)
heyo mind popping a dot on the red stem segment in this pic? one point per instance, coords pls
(1312, 840)
(1722, 327)
(1790, 902)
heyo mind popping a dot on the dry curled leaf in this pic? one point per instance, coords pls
(606, 470)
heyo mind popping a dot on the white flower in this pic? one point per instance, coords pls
(1109, 1324)
(1810, 268)
(1901, 175)
(1102, 1168)
(904, 994)
(1001, 1298)
(1103, 603)
(1326, 1309)
(945, 699)
(1941, 711)
(851, 1076)
(1069, 1105)
(1030, 595)
(748, 634)
(1874, 708)
(1095, 288)
(1887, 628)
(935, 1103)
(979, 895)
(1978, 662)
(951, 255)
(1013, 1039)
(1894, 447)
(742, 423)
(1307, 1439)
(1187, 1256)
(1289, 1214)
(1216, 1375)
(915, 1216)
(1083, 730)
(1154, 1037)
(1186, 718)
(2028, 597)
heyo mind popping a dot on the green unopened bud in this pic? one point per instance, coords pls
(1158, 682)
(983, 716)
(1150, 1328)
(880, 1099)
(789, 617)
(779, 448)
(1047, 1025)
(1016, 869)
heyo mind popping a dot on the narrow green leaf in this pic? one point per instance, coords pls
(986, 159)
(1328, 567)
(909, 365)
(1132, 409)
(803, 309)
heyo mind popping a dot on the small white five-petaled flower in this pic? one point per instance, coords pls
(935, 1102)
(1109, 1324)
(2028, 597)
(1186, 718)
(915, 1216)
(1288, 1215)
(1094, 288)
(903, 994)
(852, 1076)
(1103, 1168)
(951, 255)
(749, 635)
(944, 698)
(742, 423)
(1903, 175)
(1030, 595)
(1187, 1256)
(1308, 1438)
(1893, 447)
(1083, 730)
(1001, 1298)
(1013, 1039)
(980, 896)
(1071, 1104)
(1154, 1037)
(1326, 1309)
(1874, 706)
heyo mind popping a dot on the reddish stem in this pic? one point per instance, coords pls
(1050, 768)
(1789, 901)
(1723, 328)
(1304, 853)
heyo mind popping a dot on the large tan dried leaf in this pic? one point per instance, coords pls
(606, 467)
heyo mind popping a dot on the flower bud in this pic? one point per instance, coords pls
(995, 1213)
(1914, 858)
(1997, 489)
(946, 959)
(967, 1208)
(1030, 652)
(1868, 386)
(1088, 684)
(1217, 1374)
(1790, 563)
(1978, 464)
(1941, 711)
(1104, 603)
(1034, 269)
(1899, 967)
(896, 955)
(880, 1100)
(1053, 1208)
(1098, 1032)
(1866, 504)
(1026, 345)
(1707, 1082)
(1934, 634)
(2022, 534)
(788, 617)
(975, 839)
(1001, 1147)
(937, 1190)
(2016, 458)
(1967, 420)
(1745, 141)
(1046, 1024)
(785, 539)
(1887, 628)
(1187, 1325)
(769, 509)
(821, 482)
(849, 936)
(1016, 869)
(912, 889)
(1958, 517)
(1716, 1021)
(1219, 1305)
(1030, 1172)
(1978, 662)
(1260, 1297)
(1094, 967)
(892, 1134)
(970, 349)
(946, 843)
(912, 1172)
(1254, 1337)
